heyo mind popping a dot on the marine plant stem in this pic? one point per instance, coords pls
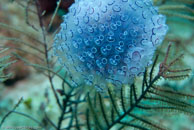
(46, 55)
(136, 103)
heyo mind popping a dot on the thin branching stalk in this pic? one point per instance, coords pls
(46, 54)
(135, 104)
(29, 117)
(22, 32)
(53, 16)
(10, 112)
(27, 16)
(48, 119)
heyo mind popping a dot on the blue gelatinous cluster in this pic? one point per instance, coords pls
(112, 41)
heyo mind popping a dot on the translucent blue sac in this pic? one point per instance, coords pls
(109, 41)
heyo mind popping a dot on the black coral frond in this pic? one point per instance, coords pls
(4, 63)
(130, 107)
(168, 72)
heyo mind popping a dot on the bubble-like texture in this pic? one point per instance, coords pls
(103, 41)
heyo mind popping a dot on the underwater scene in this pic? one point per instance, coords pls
(96, 64)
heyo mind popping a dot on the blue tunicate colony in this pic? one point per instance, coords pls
(109, 41)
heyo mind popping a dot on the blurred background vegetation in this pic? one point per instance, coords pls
(21, 36)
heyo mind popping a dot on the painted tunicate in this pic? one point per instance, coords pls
(109, 40)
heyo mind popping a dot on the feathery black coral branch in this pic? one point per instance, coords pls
(166, 70)
(4, 63)
(125, 109)
(151, 98)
